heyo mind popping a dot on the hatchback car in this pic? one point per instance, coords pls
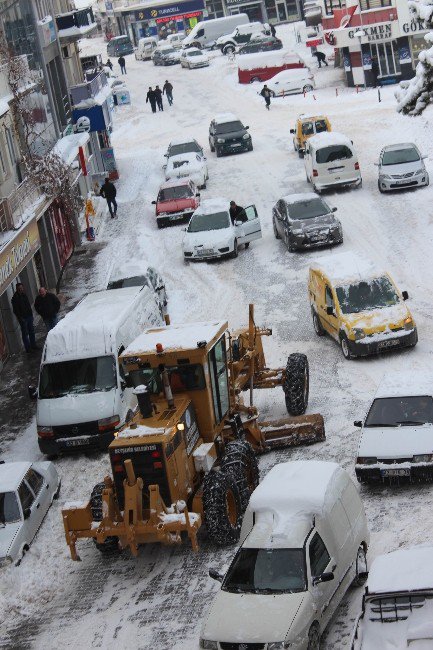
(261, 43)
(183, 145)
(139, 274)
(187, 165)
(306, 221)
(211, 234)
(289, 82)
(401, 166)
(27, 491)
(165, 55)
(397, 434)
(194, 58)
(176, 202)
(227, 134)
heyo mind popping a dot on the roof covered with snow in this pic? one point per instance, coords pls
(290, 199)
(175, 183)
(406, 383)
(128, 269)
(328, 139)
(67, 147)
(188, 156)
(273, 59)
(346, 268)
(11, 475)
(210, 206)
(175, 337)
(222, 118)
(402, 570)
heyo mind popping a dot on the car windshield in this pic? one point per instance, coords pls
(333, 153)
(266, 571)
(9, 508)
(203, 222)
(321, 126)
(173, 193)
(168, 50)
(194, 53)
(134, 281)
(308, 209)
(181, 378)
(365, 296)
(399, 156)
(307, 128)
(395, 411)
(96, 374)
(228, 127)
(184, 147)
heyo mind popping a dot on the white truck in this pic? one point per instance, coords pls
(241, 35)
(205, 33)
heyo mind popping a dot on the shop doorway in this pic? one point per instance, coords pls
(40, 269)
(282, 12)
(387, 58)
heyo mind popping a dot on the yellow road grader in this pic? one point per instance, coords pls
(188, 456)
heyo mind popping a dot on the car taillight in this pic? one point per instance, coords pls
(107, 424)
(357, 166)
(45, 432)
(156, 454)
(315, 172)
(157, 465)
(118, 468)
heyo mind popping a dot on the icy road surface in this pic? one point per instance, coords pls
(157, 601)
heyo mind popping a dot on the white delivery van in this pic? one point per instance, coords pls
(303, 540)
(145, 48)
(330, 161)
(205, 33)
(82, 394)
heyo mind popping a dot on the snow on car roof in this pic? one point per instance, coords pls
(289, 199)
(210, 206)
(188, 156)
(221, 118)
(313, 116)
(176, 183)
(11, 475)
(267, 59)
(177, 141)
(128, 269)
(327, 139)
(174, 337)
(398, 147)
(402, 570)
(407, 383)
(344, 268)
(194, 49)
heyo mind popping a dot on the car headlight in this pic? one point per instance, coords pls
(366, 460)
(220, 140)
(359, 333)
(423, 458)
(383, 176)
(208, 645)
(5, 561)
(246, 136)
(408, 323)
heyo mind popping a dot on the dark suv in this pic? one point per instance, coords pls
(261, 44)
(227, 134)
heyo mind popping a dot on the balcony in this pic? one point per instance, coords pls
(73, 25)
(97, 90)
(20, 205)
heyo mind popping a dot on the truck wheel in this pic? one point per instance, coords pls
(222, 508)
(361, 572)
(240, 462)
(297, 383)
(111, 544)
(228, 49)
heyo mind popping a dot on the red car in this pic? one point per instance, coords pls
(176, 201)
(265, 65)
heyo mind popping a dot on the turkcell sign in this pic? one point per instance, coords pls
(169, 10)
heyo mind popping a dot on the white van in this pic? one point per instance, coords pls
(331, 161)
(304, 540)
(205, 33)
(82, 395)
(176, 40)
(145, 48)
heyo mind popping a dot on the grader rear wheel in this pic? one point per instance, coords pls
(240, 462)
(297, 384)
(221, 508)
(111, 544)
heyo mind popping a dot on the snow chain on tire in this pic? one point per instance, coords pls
(111, 544)
(221, 508)
(240, 462)
(296, 383)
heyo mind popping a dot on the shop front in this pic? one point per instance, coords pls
(256, 11)
(413, 29)
(283, 11)
(164, 19)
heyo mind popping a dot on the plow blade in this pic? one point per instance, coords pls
(293, 432)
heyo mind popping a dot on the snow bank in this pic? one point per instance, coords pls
(402, 570)
(67, 147)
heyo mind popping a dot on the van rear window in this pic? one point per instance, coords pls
(332, 153)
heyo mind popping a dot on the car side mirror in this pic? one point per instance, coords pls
(27, 513)
(247, 127)
(153, 202)
(292, 131)
(330, 310)
(334, 209)
(33, 392)
(351, 141)
(213, 573)
(405, 295)
(325, 577)
(357, 423)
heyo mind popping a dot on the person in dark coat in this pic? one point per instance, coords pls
(321, 58)
(151, 97)
(158, 95)
(109, 64)
(23, 311)
(108, 191)
(237, 213)
(266, 94)
(47, 305)
(374, 70)
(121, 61)
(272, 28)
(168, 90)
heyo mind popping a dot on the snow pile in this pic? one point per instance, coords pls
(175, 337)
(140, 431)
(330, 139)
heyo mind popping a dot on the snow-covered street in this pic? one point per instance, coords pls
(157, 601)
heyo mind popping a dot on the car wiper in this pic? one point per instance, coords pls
(411, 422)
(380, 424)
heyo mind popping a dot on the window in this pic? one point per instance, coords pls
(219, 381)
(329, 298)
(319, 556)
(387, 58)
(9, 509)
(330, 5)
(10, 144)
(35, 480)
(2, 160)
(373, 4)
(26, 497)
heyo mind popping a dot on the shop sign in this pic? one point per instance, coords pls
(236, 2)
(178, 9)
(17, 253)
(380, 32)
(47, 31)
(414, 27)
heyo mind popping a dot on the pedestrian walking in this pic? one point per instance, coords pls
(47, 305)
(23, 311)
(108, 191)
(151, 98)
(321, 58)
(158, 96)
(374, 70)
(267, 94)
(168, 90)
(109, 64)
(121, 61)
(272, 28)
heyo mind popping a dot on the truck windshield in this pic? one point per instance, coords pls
(365, 296)
(266, 571)
(400, 411)
(182, 378)
(9, 509)
(96, 374)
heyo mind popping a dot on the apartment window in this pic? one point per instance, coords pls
(10, 144)
(2, 160)
(330, 5)
(373, 4)
(215, 8)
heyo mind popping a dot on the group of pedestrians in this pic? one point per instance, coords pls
(154, 96)
(47, 305)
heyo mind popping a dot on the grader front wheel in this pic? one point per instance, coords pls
(222, 508)
(111, 544)
(240, 462)
(297, 384)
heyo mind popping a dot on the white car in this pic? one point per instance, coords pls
(397, 434)
(397, 608)
(26, 492)
(194, 58)
(211, 233)
(139, 274)
(401, 166)
(188, 165)
(288, 82)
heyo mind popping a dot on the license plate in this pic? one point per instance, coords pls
(395, 472)
(173, 217)
(237, 144)
(318, 238)
(205, 251)
(80, 442)
(388, 344)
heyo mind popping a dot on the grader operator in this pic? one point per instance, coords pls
(189, 454)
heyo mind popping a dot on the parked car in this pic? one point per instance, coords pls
(330, 161)
(264, 65)
(289, 82)
(188, 165)
(27, 491)
(401, 166)
(305, 221)
(241, 35)
(145, 48)
(211, 233)
(397, 606)
(138, 274)
(227, 134)
(261, 43)
(303, 542)
(176, 202)
(397, 434)
(183, 145)
(359, 306)
(192, 57)
(165, 55)
(306, 126)
(206, 32)
(176, 40)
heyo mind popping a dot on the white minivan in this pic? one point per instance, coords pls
(331, 161)
(304, 540)
(82, 397)
(205, 33)
(145, 48)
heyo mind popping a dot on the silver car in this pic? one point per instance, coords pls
(401, 166)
